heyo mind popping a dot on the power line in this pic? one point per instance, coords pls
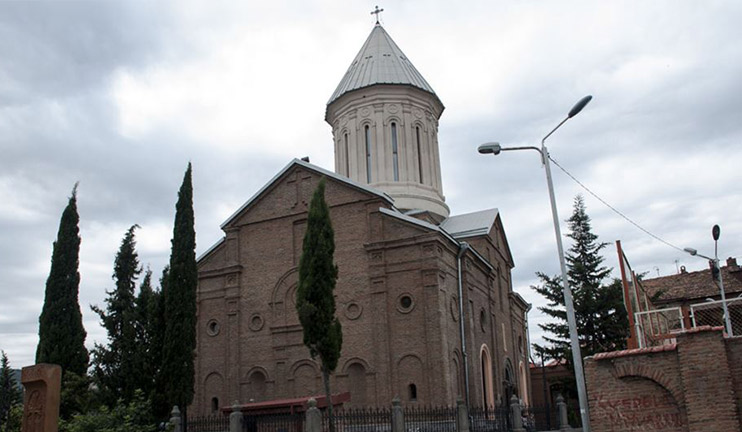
(613, 208)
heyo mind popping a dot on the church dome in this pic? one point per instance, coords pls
(380, 61)
(384, 117)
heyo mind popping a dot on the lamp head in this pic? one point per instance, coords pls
(715, 232)
(691, 251)
(491, 147)
(579, 106)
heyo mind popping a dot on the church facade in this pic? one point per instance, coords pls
(425, 299)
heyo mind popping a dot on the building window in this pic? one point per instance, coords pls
(214, 404)
(347, 156)
(412, 392)
(367, 131)
(212, 327)
(405, 303)
(419, 154)
(395, 152)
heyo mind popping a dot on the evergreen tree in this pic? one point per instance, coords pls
(10, 393)
(149, 337)
(180, 303)
(116, 365)
(602, 323)
(61, 333)
(160, 406)
(315, 303)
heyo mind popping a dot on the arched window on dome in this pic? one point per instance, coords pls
(347, 155)
(395, 152)
(367, 133)
(419, 154)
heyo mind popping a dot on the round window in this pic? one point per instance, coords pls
(212, 327)
(256, 322)
(405, 303)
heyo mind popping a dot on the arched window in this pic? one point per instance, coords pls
(357, 384)
(395, 152)
(347, 156)
(412, 392)
(214, 404)
(488, 394)
(367, 134)
(419, 154)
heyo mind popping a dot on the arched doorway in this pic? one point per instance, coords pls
(488, 391)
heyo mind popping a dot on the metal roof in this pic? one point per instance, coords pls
(380, 61)
(470, 224)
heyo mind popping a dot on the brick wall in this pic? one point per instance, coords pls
(693, 385)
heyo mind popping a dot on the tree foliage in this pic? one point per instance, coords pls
(117, 367)
(134, 416)
(61, 333)
(180, 303)
(10, 393)
(602, 323)
(315, 303)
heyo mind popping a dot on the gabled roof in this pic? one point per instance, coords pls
(695, 285)
(316, 169)
(415, 221)
(380, 61)
(470, 224)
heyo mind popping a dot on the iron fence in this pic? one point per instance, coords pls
(212, 423)
(430, 419)
(283, 422)
(489, 419)
(359, 420)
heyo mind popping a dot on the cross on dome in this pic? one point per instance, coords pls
(376, 12)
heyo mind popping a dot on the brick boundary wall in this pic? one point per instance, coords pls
(693, 385)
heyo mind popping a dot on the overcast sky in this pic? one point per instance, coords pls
(121, 95)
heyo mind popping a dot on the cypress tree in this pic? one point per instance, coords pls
(10, 393)
(160, 407)
(180, 303)
(116, 365)
(61, 333)
(602, 323)
(315, 303)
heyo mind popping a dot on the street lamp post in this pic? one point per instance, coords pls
(714, 262)
(495, 148)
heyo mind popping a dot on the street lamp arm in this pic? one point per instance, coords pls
(553, 130)
(520, 148)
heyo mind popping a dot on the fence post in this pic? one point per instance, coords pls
(397, 416)
(515, 411)
(313, 421)
(235, 418)
(175, 419)
(562, 410)
(462, 416)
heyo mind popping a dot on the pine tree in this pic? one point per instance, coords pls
(116, 364)
(602, 323)
(180, 303)
(10, 393)
(315, 303)
(148, 336)
(61, 333)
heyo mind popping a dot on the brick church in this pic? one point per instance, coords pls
(425, 298)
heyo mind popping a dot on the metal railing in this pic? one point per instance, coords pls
(656, 327)
(711, 313)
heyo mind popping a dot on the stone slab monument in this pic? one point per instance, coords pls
(42, 383)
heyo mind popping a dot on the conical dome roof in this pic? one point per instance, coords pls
(380, 61)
